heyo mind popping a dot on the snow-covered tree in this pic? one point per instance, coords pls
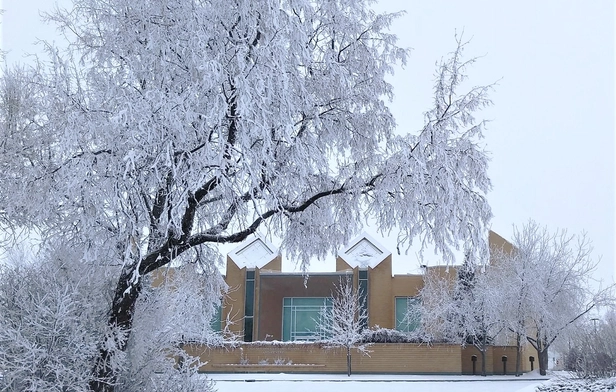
(168, 127)
(509, 272)
(343, 321)
(551, 273)
(51, 319)
(178, 309)
(464, 310)
(592, 347)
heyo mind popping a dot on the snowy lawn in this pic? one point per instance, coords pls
(370, 383)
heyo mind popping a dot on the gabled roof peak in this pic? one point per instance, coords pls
(254, 252)
(363, 252)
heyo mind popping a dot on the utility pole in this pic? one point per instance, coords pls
(594, 320)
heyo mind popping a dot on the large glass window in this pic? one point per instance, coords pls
(363, 294)
(407, 314)
(216, 322)
(301, 318)
(249, 305)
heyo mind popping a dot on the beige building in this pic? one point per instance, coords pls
(267, 305)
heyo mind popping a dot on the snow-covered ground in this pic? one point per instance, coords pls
(371, 383)
(563, 385)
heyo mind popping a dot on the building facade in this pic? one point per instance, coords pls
(264, 303)
(276, 314)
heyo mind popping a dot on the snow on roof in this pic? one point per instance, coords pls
(364, 252)
(255, 252)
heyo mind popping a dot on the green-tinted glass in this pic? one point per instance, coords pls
(250, 298)
(248, 322)
(216, 321)
(407, 316)
(300, 317)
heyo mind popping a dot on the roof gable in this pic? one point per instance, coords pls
(363, 252)
(255, 252)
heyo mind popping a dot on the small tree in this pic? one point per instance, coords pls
(344, 321)
(509, 272)
(554, 272)
(462, 311)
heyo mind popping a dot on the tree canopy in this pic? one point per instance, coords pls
(168, 127)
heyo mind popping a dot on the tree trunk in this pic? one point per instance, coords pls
(518, 353)
(349, 361)
(483, 349)
(543, 361)
(120, 323)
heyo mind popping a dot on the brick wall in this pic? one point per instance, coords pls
(494, 362)
(315, 358)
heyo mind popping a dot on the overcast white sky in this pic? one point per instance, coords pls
(551, 135)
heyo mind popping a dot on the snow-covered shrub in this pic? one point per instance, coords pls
(282, 361)
(385, 335)
(53, 323)
(178, 311)
(50, 322)
(566, 385)
(593, 354)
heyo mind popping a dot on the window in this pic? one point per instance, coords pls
(300, 318)
(249, 305)
(407, 314)
(363, 291)
(216, 321)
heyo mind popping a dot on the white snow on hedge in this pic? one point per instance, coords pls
(567, 385)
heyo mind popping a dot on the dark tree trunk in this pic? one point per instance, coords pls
(483, 348)
(543, 361)
(349, 361)
(518, 353)
(541, 345)
(120, 322)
